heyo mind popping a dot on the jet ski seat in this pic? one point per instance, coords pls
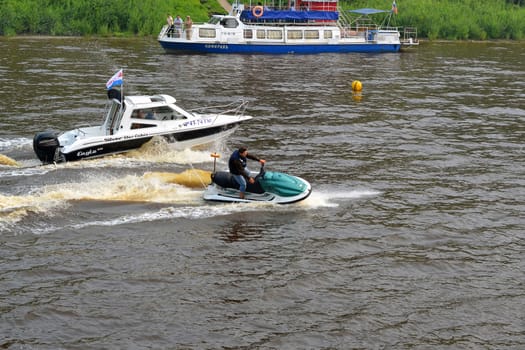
(225, 179)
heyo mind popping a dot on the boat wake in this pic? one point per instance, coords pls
(186, 212)
(5, 160)
(199, 209)
(332, 199)
(19, 142)
(158, 150)
(180, 194)
(167, 188)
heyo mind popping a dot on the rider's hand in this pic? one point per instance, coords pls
(251, 180)
(262, 161)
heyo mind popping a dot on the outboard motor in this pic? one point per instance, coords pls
(45, 145)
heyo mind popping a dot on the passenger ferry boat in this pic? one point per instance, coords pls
(303, 27)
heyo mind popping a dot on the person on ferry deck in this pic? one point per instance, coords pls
(178, 26)
(188, 23)
(237, 165)
(169, 20)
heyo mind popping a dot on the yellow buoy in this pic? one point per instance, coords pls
(357, 86)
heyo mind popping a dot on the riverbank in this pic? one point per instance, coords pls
(448, 19)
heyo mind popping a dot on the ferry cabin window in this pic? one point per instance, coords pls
(311, 34)
(248, 34)
(328, 34)
(229, 23)
(207, 33)
(261, 34)
(275, 34)
(214, 20)
(295, 34)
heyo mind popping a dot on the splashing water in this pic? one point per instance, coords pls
(158, 150)
(5, 160)
(151, 187)
(192, 178)
(330, 199)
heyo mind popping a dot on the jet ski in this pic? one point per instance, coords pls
(269, 186)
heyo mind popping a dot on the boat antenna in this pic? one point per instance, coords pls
(215, 155)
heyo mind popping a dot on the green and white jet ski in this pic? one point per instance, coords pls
(269, 186)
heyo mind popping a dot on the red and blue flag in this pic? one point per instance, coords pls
(116, 80)
(394, 7)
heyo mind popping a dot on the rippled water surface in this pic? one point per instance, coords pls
(413, 237)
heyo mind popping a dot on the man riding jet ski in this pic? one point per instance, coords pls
(240, 173)
(241, 185)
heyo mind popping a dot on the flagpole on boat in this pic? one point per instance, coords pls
(122, 90)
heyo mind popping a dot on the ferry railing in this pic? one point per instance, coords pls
(409, 36)
(163, 31)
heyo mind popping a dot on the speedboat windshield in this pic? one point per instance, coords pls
(214, 20)
(113, 117)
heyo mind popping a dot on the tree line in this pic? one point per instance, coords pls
(434, 19)
(457, 19)
(97, 17)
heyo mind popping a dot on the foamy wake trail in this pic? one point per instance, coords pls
(158, 150)
(131, 188)
(204, 210)
(5, 160)
(320, 199)
(19, 142)
(191, 212)
(201, 211)
(153, 152)
(151, 187)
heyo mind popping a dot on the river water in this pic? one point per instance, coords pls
(413, 236)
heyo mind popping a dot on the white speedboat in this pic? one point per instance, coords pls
(131, 122)
(269, 186)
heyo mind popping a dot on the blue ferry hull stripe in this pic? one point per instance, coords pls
(178, 47)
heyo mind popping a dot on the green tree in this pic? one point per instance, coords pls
(435, 19)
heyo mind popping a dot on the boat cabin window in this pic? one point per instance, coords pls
(214, 20)
(261, 34)
(248, 34)
(328, 34)
(229, 23)
(295, 34)
(275, 34)
(141, 125)
(207, 33)
(112, 117)
(157, 113)
(311, 34)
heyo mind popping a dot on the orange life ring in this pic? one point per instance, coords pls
(257, 11)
